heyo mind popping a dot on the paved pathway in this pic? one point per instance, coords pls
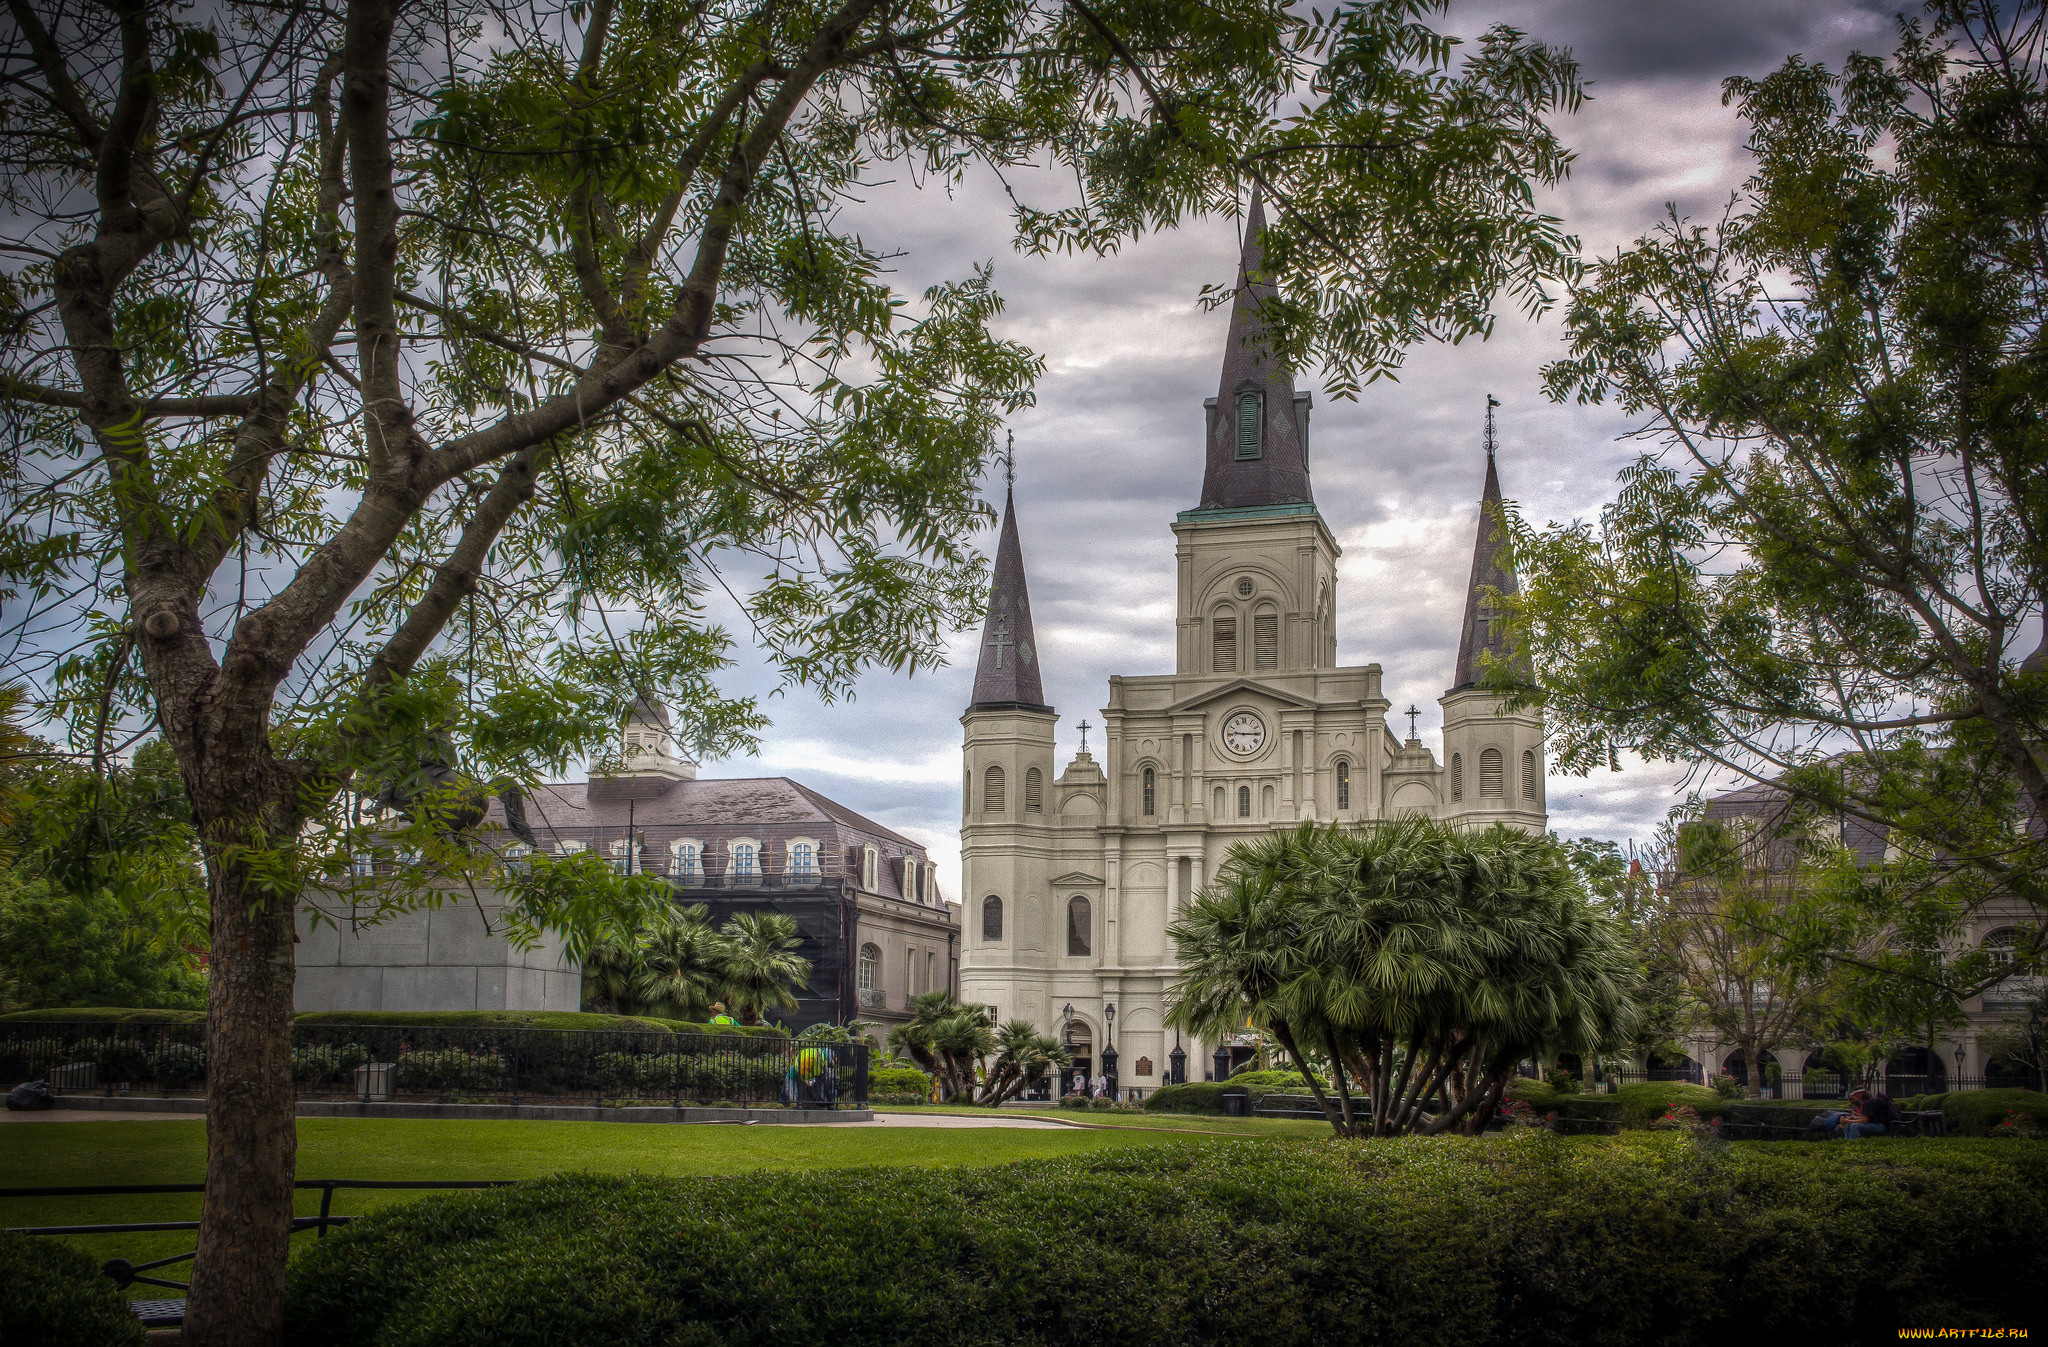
(946, 1120)
(92, 1115)
(881, 1119)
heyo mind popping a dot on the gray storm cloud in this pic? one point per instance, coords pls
(1113, 447)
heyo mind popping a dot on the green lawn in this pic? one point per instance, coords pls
(62, 1154)
(1152, 1122)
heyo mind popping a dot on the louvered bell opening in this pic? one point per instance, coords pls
(1266, 641)
(1224, 646)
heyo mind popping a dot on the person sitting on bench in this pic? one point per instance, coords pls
(1870, 1113)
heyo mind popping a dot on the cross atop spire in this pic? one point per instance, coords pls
(1482, 635)
(1257, 425)
(1006, 676)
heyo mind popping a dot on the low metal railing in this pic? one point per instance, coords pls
(171, 1313)
(465, 1064)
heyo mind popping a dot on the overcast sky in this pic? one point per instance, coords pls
(1113, 449)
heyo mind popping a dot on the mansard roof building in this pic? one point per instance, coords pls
(1070, 878)
(865, 898)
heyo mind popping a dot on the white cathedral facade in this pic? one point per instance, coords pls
(1070, 879)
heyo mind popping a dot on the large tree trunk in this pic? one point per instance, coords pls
(243, 799)
(251, 1134)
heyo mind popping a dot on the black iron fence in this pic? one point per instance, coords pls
(171, 1313)
(1822, 1084)
(378, 1063)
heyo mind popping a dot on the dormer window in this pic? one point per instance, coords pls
(910, 879)
(803, 859)
(1250, 432)
(745, 860)
(622, 858)
(871, 870)
(685, 866)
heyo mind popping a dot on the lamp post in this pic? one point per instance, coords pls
(1109, 1049)
(1066, 1037)
(1222, 1061)
(1957, 1083)
(1179, 1060)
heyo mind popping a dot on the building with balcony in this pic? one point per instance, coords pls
(866, 899)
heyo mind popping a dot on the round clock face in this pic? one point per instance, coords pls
(1244, 734)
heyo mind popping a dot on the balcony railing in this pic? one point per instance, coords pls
(874, 998)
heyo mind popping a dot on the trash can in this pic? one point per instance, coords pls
(1237, 1105)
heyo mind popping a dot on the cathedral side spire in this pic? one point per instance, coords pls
(1483, 634)
(1007, 675)
(1257, 423)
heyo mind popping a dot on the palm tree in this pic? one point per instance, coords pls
(947, 1038)
(681, 963)
(1423, 959)
(1022, 1055)
(760, 968)
(609, 968)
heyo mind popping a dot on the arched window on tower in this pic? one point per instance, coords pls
(1080, 930)
(1244, 801)
(1528, 774)
(991, 918)
(1223, 644)
(1034, 792)
(1265, 640)
(1250, 433)
(1457, 776)
(992, 791)
(1151, 793)
(1492, 774)
(1343, 784)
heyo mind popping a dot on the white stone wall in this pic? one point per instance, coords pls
(453, 957)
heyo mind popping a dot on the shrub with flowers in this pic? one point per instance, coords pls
(2017, 1124)
(1521, 1113)
(1727, 1086)
(1685, 1118)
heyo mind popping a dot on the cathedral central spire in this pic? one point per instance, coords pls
(1484, 634)
(1257, 424)
(1007, 674)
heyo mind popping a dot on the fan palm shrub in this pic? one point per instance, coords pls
(974, 1060)
(1421, 960)
(761, 968)
(681, 963)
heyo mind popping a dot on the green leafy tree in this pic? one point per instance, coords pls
(389, 385)
(1424, 959)
(1720, 913)
(1818, 576)
(62, 948)
(758, 966)
(1623, 884)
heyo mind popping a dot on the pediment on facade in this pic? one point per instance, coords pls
(1073, 877)
(1238, 687)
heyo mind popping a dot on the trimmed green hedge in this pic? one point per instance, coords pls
(108, 1015)
(1524, 1239)
(899, 1080)
(489, 1019)
(53, 1295)
(1973, 1113)
(1641, 1104)
(1206, 1096)
(529, 1019)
